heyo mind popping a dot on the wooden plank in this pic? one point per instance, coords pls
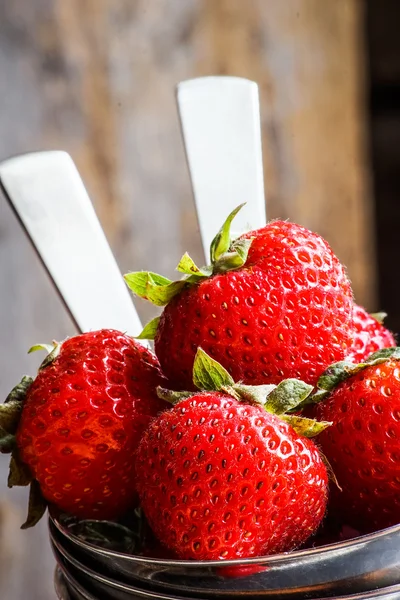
(307, 57)
(96, 78)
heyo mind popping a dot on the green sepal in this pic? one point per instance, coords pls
(287, 395)
(19, 474)
(340, 371)
(225, 256)
(47, 347)
(222, 241)
(235, 258)
(37, 506)
(51, 356)
(138, 281)
(306, 427)
(208, 374)
(10, 411)
(150, 330)
(172, 396)
(188, 267)
(379, 316)
(253, 394)
(331, 474)
(155, 288)
(7, 442)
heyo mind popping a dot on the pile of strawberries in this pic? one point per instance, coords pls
(267, 380)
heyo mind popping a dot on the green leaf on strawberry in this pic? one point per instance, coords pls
(225, 256)
(340, 371)
(7, 442)
(287, 395)
(37, 506)
(155, 288)
(209, 375)
(19, 473)
(222, 241)
(149, 331)
(309, 428)
(10, 411)
(379, 316)
(188, 267)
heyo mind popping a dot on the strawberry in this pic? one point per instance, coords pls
(370, 335)
(362, 446)
(275, 303)
(81, 421)
(226, 474)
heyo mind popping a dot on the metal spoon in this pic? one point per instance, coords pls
(220, 118)
(51, 202)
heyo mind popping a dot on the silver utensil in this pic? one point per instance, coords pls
(50, 200)
(220, 118)
(350, 567)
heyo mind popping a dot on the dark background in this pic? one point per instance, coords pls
(383, 44)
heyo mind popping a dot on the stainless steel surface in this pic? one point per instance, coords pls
(48, 195)
(60, 585)
(67, 588)
(81, 580)
(103, 587)
(220, 119)
(350, 567)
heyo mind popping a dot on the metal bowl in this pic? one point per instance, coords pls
(65, 585)
(97, 586)
(60, 585)
(362, 564)
(85, 584)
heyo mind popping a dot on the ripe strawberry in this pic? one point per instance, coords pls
(369, 335)
(275, 303)
(362, 446)
(219, 478)
(81, 422)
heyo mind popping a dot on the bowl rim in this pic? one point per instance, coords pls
(341, 546)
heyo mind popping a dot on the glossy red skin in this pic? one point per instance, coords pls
(369, 336)
(288, 313)
(83, 419)
(219, 479)
(363, 447)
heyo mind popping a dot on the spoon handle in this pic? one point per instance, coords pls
(51, 202)
(220, 118)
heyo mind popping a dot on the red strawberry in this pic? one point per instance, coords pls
(369, 335)
(283, 310)
(363, 444)
(82, 419)
(219, 478)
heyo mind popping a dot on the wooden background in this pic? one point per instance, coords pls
(96, 78)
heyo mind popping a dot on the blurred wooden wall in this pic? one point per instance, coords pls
(96, 78)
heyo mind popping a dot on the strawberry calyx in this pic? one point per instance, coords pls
(340, 371)
(53, 350)
(225, 255)
(19, 473)
(10, 413)
(280, 399)
(379, 317)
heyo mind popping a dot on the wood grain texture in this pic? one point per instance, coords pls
(96, 78)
